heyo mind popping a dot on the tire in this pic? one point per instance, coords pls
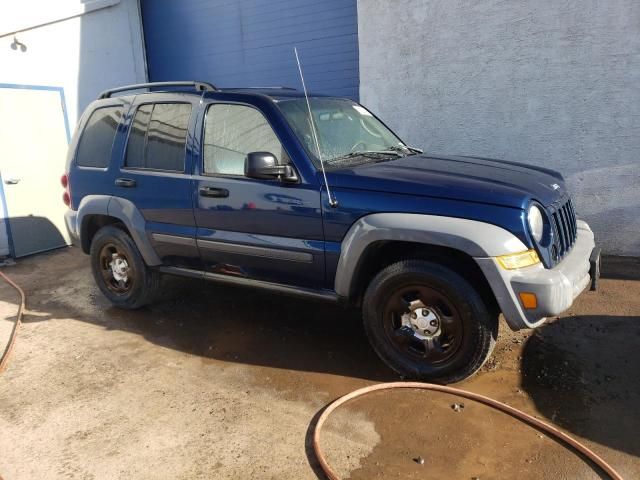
(129, 285)
(428, 323)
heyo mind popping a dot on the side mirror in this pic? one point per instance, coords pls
(264, 165)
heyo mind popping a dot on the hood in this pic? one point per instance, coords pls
(472, 179)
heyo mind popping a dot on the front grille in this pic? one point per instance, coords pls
(565, 229)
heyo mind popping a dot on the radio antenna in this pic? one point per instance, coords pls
(332, 201)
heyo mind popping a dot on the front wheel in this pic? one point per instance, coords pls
(426, 322)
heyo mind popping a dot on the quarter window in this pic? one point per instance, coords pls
(158, 137)
(137, 137)
(94, 149)
(233, 131)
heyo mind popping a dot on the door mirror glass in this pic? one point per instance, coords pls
(264, 165)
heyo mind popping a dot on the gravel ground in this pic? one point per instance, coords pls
(218, 382)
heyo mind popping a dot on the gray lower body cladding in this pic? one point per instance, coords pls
(555, 288)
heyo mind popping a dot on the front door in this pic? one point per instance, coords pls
(33, 149)
(259, 229)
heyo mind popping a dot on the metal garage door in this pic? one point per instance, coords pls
(33, 149)
(250, 42)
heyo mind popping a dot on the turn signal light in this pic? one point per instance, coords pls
(518, 260)
(529, 300)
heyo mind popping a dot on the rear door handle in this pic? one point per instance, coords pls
(125, 182)
(214, 192)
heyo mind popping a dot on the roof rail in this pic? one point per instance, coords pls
(260, 88)
(198, 86)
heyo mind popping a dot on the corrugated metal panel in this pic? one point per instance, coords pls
(250, 42)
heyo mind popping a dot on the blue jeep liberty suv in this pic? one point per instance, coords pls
(227, 185)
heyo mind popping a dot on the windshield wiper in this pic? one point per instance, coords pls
(367, 153)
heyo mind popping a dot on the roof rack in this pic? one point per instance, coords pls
(260, 88)
(198, 86)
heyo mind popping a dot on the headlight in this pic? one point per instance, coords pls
(536, 222)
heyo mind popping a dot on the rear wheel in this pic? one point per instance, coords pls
(427, 322)
(120, 271)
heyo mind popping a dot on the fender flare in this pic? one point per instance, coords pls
(89, 205)
(127, 213)
(476, 239)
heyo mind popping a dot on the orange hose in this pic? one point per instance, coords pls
(4, 360)
(526, 418)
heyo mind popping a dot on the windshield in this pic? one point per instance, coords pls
(346, 131)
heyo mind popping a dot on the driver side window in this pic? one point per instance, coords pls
(233, 131)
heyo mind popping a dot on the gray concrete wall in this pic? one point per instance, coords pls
(543, 82)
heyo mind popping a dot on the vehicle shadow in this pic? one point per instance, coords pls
(582, 373)
(255, 327)
(241, 325)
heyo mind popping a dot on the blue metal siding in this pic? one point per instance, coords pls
(243, 43)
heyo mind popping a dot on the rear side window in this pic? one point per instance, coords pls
(94, 149)
(158, 136)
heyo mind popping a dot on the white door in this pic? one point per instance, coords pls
(33, 148)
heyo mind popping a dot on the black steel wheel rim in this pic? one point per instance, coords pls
(432, 351)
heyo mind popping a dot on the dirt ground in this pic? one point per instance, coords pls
(219, 383)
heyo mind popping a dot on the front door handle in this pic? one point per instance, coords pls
(125, 182)
(214, 192)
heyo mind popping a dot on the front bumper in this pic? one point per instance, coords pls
(555, 288)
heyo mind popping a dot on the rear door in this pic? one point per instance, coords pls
(260, 229)
(155, 174)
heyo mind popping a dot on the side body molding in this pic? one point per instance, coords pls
(477, 239)
(124, 211)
